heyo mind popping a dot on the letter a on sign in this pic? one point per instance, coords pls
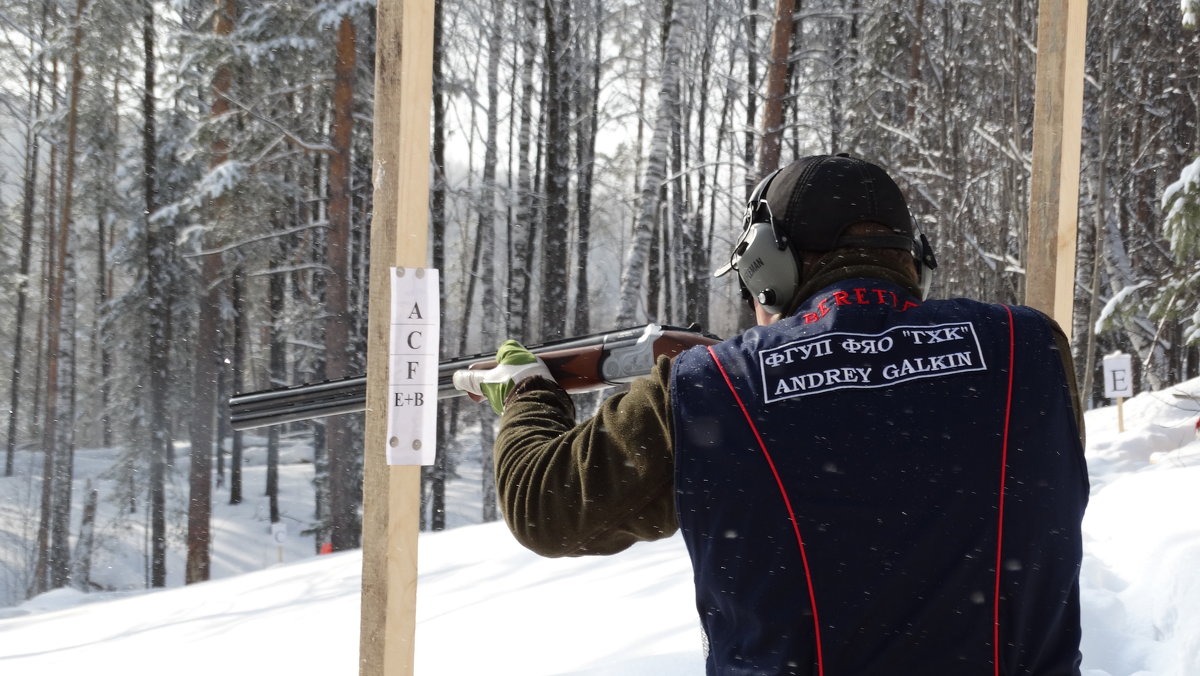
(413, 367)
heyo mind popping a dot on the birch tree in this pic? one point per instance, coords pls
(523, 231)
(556, 104)
(631, 289)
(488, 222)
(35, 77)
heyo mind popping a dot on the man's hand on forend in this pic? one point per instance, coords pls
(513, 364)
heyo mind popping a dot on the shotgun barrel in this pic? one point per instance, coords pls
(579, 364)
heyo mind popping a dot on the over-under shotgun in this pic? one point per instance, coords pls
(579, 364)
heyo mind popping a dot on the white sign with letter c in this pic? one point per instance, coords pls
(413, 367)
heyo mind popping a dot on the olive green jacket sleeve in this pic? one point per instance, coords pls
(596, 487)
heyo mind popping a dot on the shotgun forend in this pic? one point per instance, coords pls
(579, 364)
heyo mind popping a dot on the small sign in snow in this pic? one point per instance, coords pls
(1118, 375)
(413, 367)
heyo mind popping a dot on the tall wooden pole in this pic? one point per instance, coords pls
(1054, 186)
(777, 72)
(399, 235)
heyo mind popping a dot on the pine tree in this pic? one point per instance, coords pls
(344, 533)
(58, 433)
(207, 355)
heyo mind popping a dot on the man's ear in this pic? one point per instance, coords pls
(762, 316)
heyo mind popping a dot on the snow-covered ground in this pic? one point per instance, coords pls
(487, 606)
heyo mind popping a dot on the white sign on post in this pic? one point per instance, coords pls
(413, 367)
(1118, 375)
(279, 535)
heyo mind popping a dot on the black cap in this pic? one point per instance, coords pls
(814, 199)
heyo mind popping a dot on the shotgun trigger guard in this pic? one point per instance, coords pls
(626, 359)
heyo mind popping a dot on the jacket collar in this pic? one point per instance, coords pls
(851, 264)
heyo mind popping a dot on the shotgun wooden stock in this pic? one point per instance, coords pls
(580, 364)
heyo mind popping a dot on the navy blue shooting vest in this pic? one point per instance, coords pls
(848, 478)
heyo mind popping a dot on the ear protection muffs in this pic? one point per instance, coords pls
(769, 271)
(926, 262)
(767, 267)
(762, 257)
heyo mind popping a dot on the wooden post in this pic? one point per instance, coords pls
(399, 235)
(1054, 186)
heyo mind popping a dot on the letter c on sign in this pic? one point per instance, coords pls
(410, 340)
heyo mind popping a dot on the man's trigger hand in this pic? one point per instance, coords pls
(514, 363)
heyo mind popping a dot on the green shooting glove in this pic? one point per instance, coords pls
(513, 364)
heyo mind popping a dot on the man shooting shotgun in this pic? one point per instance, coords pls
(869, 483)
(578, 364)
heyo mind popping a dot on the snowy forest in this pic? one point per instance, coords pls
(185, 197)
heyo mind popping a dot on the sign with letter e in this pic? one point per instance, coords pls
(413, 367)
(1118, 375)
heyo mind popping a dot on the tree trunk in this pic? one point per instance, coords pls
(223, 427)
(837, 113)
(237, 293)
(28, 195)
(654, 262)
(277, 369)
(635, 257)
(640, 136)
(522, 233)
(777, 83)
(745, 316)
(104, 278)
(64, 463)
(697, 246)
(433, 487)
(437, 189)
(488, 223)
(204, 380)
(343, 517)
(81, 565)
(487, 439)
(751, 44)
(557, 216)
(159, 321)
(675, 256)
(588, 114)
(1100, 216)
(914, 63)
(59, 391)
(201, 431)
(308, 212)
(437, 516)
(49, 361)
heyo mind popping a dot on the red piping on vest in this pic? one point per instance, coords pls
(812, 598)
(999, 520)
(1003, 474)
